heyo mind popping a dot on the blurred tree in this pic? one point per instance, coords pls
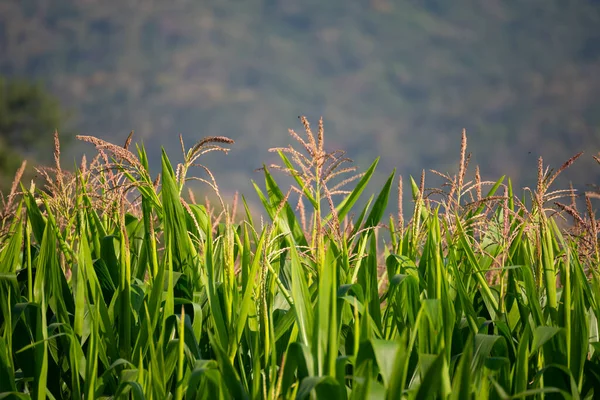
(29, 115)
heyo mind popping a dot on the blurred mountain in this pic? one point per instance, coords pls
(396, 79)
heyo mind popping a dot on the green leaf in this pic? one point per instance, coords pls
(247, 299)
(34, 214)
(461, 384)
(380, 203)
(7, 373)
(541, 335)
(346, 205)
(234, 386)
(325, 387)
(303, 306)
(432, 381)
(183, 252)
(386, 353)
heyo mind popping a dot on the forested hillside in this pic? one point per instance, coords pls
(396, 79)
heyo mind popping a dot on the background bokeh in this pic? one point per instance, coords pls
(396, 79)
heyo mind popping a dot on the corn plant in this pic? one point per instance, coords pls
(115, 284)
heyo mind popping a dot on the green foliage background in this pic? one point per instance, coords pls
(398, 79)
(28, 117)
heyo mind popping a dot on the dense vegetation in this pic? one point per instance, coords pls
(114, 283)
(27, 111)
(395, 79)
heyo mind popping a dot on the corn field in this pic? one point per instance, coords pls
(114, 284)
